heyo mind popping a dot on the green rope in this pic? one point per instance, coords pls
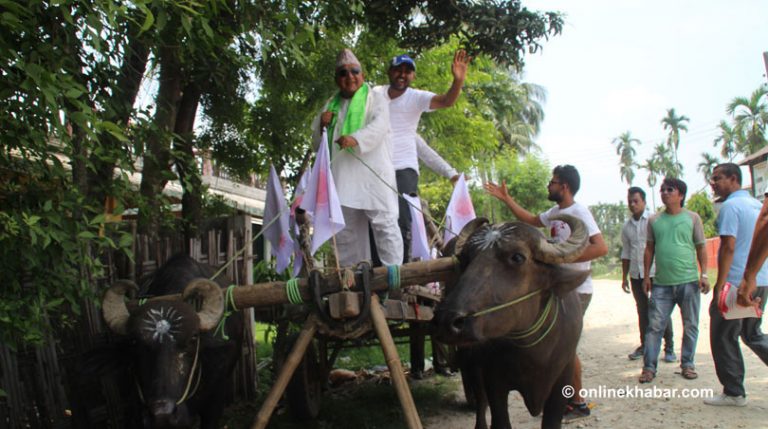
(551, 325)
(393, 277)
(292, 290)
(229, 308)
(506, 304)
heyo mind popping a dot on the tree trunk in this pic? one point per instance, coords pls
(119, 109)
(157, 155)
(186, 164)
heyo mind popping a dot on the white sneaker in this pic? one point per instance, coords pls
(724, 400)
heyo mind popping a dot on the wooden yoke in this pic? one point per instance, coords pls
(273, 293)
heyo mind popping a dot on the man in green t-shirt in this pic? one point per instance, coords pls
(676, 241)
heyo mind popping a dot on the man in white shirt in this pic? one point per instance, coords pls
(405, 108)
(633, 238)
(357, 120)
(562, 188)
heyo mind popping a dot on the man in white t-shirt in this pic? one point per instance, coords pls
(406, 105)
(562, 188)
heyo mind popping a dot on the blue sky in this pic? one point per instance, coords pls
(618, 65)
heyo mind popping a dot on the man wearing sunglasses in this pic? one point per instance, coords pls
(675, 242)
(357, 123)
(406, 105)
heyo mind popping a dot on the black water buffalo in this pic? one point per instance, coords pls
(181, 359)
(516, 317)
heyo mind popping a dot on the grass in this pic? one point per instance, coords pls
(368, 404)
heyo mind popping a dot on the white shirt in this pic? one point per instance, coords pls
(357, 186)
(560, 231)
(404, 115)
(634, 234)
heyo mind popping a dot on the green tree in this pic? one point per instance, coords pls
(701, 204)
(610, 219)
(750, 117)
(652, 167)
(72, 70)
(706, 165)
(730, 140)
(675, 124)
(626, 153)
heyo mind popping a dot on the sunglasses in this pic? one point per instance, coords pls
(344, 72)
(668, 190)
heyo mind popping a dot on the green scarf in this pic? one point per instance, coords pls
(355, 113)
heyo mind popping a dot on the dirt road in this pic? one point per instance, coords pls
(610, 334)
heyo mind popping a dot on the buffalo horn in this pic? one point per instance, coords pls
(113, 305)
(467, 231)
(213, 301)
(567, 251)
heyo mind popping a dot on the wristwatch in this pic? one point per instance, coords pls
(704, 276)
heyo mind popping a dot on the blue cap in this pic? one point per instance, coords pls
(402, 59)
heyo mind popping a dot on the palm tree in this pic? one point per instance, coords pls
(626, 153)
(706, 165)
(730, 140)
(750, 117)
(675, 124)
(652, 167)
(667, 166)
(514, 107)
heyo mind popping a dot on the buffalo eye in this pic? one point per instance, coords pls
(516, 258)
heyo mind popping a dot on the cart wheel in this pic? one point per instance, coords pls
(305, 389)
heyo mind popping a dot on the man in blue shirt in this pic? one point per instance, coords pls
(735, 225)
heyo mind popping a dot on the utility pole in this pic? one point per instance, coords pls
(765, 61)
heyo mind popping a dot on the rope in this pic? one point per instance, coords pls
(187, 390)
(229, 308)
(142, 301)
(506, 304)
(393, 277)
(292, 290)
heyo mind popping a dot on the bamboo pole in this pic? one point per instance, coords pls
(273, 293)
(286, 372)
(395, 367)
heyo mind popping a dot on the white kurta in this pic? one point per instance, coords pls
(366, 197)
(356, 185)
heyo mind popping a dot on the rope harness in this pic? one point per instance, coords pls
(536, 326)
(229, 308)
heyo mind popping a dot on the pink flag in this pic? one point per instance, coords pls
(276, 212)
(298, 196)
(320, 199)
(419, 242)
(460, 209)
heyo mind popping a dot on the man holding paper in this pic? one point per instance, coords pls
(735, 225)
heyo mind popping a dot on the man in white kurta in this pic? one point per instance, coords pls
(361, 162)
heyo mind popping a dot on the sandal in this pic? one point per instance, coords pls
(689, 373)
(647, 376)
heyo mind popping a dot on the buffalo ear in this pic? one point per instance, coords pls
(564, 280)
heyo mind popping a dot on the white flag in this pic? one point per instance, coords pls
(276, 215)
(419, 242)
(321, 200)
(460, 209)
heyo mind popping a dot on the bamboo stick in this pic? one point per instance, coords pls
(286, 372)
(395, 367)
